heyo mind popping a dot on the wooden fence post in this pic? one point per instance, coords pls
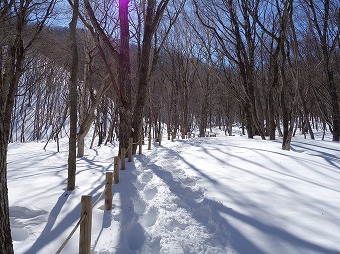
(116, 170)
(108, 191)
(85, 225)
(130, 148)
(149, 143)
(122, 157)
(140, 145)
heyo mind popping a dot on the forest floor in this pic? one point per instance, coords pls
(199, 195)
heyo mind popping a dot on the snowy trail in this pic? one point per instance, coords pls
(168, 211)
(203, 195)
(187, 224)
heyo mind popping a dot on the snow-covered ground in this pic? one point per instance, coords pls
(201, 195)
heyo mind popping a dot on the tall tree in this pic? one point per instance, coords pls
(14, 17)
(124, 75)
(324, 19)
(73, 100)
(116, 57)
(235, 30)
(289, 89)
(281, 13)
(146, 64)
(5, 87)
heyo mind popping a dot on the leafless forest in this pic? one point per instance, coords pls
(144, 67)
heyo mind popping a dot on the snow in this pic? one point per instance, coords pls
(199, 195)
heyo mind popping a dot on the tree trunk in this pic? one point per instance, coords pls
(37, 127)
(87, 121)
(10, 72)
(285, 122)
(203, 117)
(185, 124)
(71, 179)
(304, 106)
(8, 86)
(288, 139)
(248, 120)
(335, 105)
(272, 93)
(9, 78)
(154, 14)
(271, 116)
(6, 245)
(324, 29)
(81, 145)
(110, 134)
(143, 72)
(124, 78)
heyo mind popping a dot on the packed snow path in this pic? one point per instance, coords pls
(171, 204)
(211, 195)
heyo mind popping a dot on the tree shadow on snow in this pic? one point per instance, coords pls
(132, 234)
(53, 228)
(221, 215)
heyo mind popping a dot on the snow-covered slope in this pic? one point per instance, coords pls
(202, 195)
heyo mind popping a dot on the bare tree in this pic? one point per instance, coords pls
(95, 84)
(179, 78)
(235, 30)
(152, 16)
(290, 88)
(324, 25)
(281, 16)
(14, 43)
(71, 179)
(116, 58)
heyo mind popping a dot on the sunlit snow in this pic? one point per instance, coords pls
(199, 195)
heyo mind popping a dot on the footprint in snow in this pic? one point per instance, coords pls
(135, 235)
(139, 206)
(139, 185)
(173, 224)
(150, 193)
(146, 176)
(149, 218)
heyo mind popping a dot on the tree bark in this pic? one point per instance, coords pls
(72, 156)
(203, 116)
(274, 66)
(335, 105)
(9, 78)
(10, 72)
(124, 77)
(87, 121)
(8, 86)
(323, 29)
(154, 13)
(6, 245)
(143, 71)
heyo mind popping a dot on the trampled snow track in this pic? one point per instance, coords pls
(187, 223)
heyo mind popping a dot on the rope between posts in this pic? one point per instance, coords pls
(127, 149)
(94, 204)
(71, 234)
(79, 222)
(137, 143)
(84, 215)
